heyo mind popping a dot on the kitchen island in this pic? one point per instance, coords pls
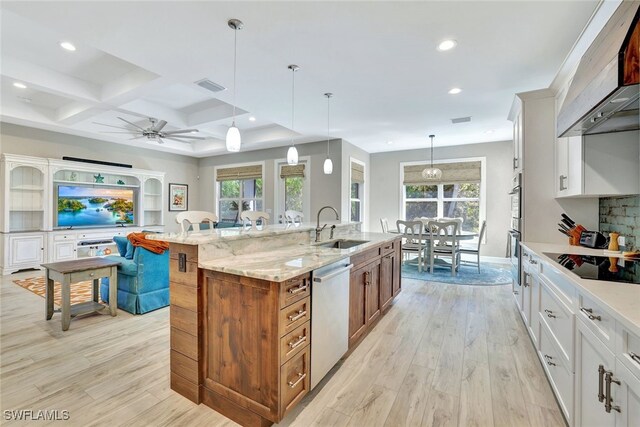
(241, 311)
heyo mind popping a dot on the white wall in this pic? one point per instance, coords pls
(386, 193)
(325, 189)
(42, 143)
(350, 151)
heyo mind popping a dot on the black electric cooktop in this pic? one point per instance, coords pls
(600, 267)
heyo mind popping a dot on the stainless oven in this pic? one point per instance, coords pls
(513, 241)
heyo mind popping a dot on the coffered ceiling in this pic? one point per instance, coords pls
(137, 60)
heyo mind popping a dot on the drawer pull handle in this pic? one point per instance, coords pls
(301, 376)
(601, 372)
(589, 313)
(635, 357)
(533, 261)
(298, 289)
(608, 378)
(550, 314)
(549, 360)
(301, 339)
(300, 315)
(367, 278)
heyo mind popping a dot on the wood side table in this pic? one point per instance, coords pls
(68, 272)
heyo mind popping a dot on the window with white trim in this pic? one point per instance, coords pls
(238, 189)
(357, 191)
(459, 198)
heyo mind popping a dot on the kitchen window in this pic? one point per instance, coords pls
(459, 198)
(293, 188)
(239, 189)
(357, 191)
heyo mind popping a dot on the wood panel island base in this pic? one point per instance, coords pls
(242, 345)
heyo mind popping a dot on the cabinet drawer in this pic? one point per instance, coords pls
(597, 320)
(559, 320)
(387, 248)
(294, 381)
(560, 377)
(294, 290)
(365, 257)
(64, 237)
(294, 342)
(295, 315)
(628, 349)
(90, 274)
(562, 286)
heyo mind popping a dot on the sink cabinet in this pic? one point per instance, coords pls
(374, 282)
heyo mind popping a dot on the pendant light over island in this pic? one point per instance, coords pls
(292, 153)
(233, 140)
(328, 164)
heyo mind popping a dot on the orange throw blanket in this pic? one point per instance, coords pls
(155, 246)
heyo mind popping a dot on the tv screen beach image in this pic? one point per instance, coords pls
(86, 206)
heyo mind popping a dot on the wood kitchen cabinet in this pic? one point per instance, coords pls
(372, 292)
(386, 280)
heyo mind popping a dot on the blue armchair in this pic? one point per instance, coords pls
(143, 280)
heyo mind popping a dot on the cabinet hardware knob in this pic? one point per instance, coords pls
(601, 372)
(589, 313)
(301, 376)
(297, 289)
(608, 406)
(300, 340)
(300, 314)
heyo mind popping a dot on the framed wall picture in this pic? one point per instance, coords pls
(178, 197)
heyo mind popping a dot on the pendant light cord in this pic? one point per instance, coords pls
(235, 61)
(328, 116)
(293, 100)
(431, 151)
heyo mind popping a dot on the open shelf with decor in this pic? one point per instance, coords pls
(153, 201)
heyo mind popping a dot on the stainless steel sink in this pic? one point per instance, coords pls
(342, 243)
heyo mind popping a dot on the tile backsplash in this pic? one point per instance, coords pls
(622, 214)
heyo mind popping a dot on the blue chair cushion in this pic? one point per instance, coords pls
(130, 250)
(121, 243)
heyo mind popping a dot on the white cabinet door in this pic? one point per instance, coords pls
(534, 321)
(518, 135)
(591, 356)
(526, 297)
(26, 250)
(64, 251)
(628, 397)
(562, 167)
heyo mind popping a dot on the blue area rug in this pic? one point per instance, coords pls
(489, 275)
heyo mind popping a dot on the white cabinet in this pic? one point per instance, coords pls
(592, 362)
(64, 251)
(517, 116)
(22, 250)
(598, 165)
(628, 397)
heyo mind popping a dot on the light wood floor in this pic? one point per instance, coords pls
(443, 355)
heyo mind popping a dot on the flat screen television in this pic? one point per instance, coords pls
(88, 206)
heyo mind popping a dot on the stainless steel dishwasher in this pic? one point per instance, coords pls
(329, 317)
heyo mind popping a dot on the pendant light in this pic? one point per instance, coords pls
(431, 173)
(233, 139)
(328, 164)
(292, 153)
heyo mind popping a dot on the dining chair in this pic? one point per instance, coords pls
(194, 219)
(443, 242)
(413, 241)
(253, 217)
(475, 251)
(384, 223)
(459, 220)
(291, 217)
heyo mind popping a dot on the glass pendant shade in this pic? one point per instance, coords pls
(233, 139)
(292, 156)
(328, 166)
(432, 174)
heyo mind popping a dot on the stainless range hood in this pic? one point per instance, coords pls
(603, 95)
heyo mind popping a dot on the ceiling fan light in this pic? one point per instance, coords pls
(328, 166)
(292, 156)
(233, 139)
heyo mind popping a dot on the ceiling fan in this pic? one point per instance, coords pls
(154, 132)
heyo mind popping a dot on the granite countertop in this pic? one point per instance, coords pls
(622, 300)
(284, 263)
(236, 233)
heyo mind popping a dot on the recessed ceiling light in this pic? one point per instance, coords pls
(619, 100)
(455, 91)
(447, 45)
(489, 132)
(389, 142)
(252, 119)
(68, 46)
(25, 99)
(20, 85)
